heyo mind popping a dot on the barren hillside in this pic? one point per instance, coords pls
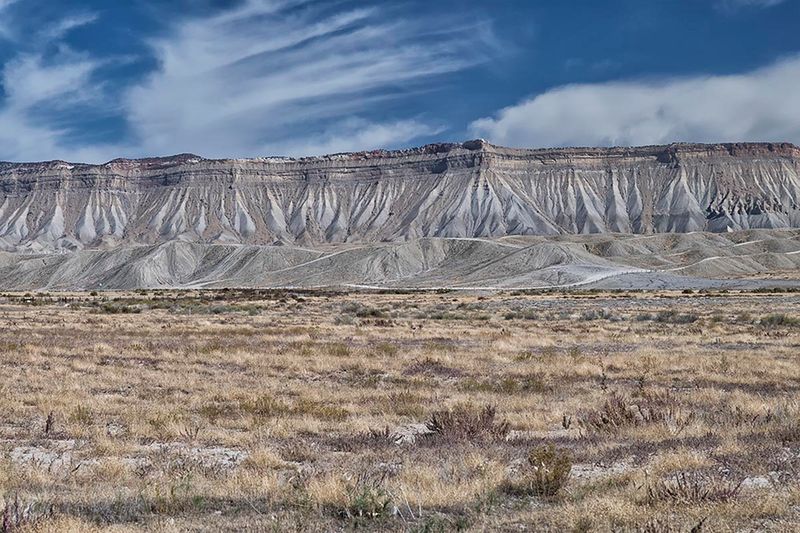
(448, 190)
(446, 215)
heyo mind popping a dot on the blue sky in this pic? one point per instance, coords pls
(92, 80)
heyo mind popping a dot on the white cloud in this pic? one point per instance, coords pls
(355, 135)
(256, 79)
(759, 105)
(248, 81)
(62, 27)
(5, 29)
(738, 4)
(36, 88)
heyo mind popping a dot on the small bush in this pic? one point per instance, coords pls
(387, 349)
(367, 500)
(406, 403)
(779, 319)
(525, 384)
(692, 488)
(265, 406)
(110, 308)
(82, 415)
(520, 315)
(596, 314)
(431, 367)
(673, 317)
(370, 503)
(788, 432)
(468, 423)
(545, 474)
(319, 410)
(362, 311)
(620, 411)
(16, 515)
(344, 320)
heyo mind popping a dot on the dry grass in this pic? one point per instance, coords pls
(234, 410)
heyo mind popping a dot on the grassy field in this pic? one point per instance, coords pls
(279, 411)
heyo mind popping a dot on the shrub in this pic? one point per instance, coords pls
(545, 474)
(319, 410)
(596, 314)
(406, 403)
(520, 315)
(691, 488)
(82, 415)
(779, 319)
(431, 367)
(468, 423)
(367, 500)
(788, 432)
(620, 411)
(265, 406)
(673, 317)
(16, 515)
(110, 308)
(362, 311)
(369, 503)
(508, 385)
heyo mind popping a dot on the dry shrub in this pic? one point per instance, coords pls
(373, 439)
(546, 473)
(19, 515)
(467, 423)
(692, 488)
(620, 411)
(266, 406)
(366, 500)
(431, 367)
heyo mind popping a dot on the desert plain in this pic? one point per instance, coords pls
(325, 410)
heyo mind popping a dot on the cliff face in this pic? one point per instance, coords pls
(472, 189)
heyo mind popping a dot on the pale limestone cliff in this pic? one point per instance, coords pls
(472, 189)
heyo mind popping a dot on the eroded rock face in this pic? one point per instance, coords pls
(472, 189)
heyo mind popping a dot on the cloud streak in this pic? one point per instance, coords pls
(254, 80)
(754, 106)
(5, 30)
(733, 5)
(247, 81)
(39, 89)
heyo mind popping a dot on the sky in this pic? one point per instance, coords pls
(94, 80)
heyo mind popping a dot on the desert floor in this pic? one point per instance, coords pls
(436, 411)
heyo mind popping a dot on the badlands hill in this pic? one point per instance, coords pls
(440, 215)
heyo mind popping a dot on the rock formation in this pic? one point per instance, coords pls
(468, 190)
(469, 215)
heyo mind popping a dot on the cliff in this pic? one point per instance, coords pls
(472, 189)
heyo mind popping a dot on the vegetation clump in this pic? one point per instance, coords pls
(468, 423)
(545, 473)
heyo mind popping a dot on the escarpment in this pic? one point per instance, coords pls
(464, 190)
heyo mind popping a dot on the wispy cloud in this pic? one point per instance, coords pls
(756, 106)
(259, 78)
(267, 77)
(734, 5)
(5, 29)
(355, 134)
(38, 89)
